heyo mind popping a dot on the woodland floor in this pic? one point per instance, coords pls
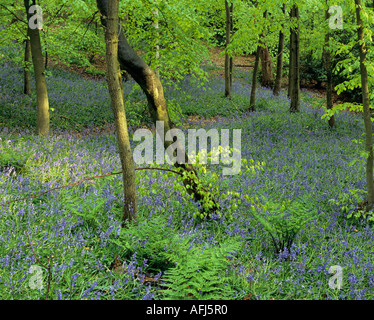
(294, 160)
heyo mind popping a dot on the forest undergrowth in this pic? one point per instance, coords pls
(291, 214)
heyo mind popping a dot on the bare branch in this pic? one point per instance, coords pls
(10, 11)
(87, 179)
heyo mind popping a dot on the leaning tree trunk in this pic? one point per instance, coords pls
(366, 106)
(26, 69)
(294, 85)
(278, 78)
(42, 121)
(152, 88)
(114, 80)
(228, 59)
(327, 59)
(252, 102)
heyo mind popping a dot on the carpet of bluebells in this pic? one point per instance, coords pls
(74, 234)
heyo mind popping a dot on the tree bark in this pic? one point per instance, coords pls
(152, 88)
(294, 85)
(266, 63)
(252, 102)
(278, 78)
(366, 106)
(228, 59)
(114, 80)
(26, 69)
(327, 59)
(42, 121)
(267, 67)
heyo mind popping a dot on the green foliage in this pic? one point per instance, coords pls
(175, 111)
(311, 69)
(181, 36)
(151, 239)
(211, 180)
(281, 220)
(345, 50)
(9, 158)
(352, 206)
(202, 273)
(89, 214)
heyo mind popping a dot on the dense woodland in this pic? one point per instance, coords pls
(83, 219)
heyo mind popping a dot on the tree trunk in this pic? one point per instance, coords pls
(294, 86)
(278, 78)
(266, 63)
(26, 69)
(366, 106)
(228, 59)
(327, 59)
(290, 74)
(118, 106)
(252, 102)
(267, 67)
(152, 88)
(42, 121)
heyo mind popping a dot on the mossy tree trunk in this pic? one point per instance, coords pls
(366, 106)
(42, 120)
(151, 85)
(114, 80)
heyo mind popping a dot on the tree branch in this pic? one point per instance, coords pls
(87, 179)
(10, 11)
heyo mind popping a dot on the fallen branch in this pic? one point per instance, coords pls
(87, 179)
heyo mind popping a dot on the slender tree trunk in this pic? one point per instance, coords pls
(294, 86)
(327, 59)
(152, 88)
(42, 121)
(26, 69)
(252, 102)
(366, 106)
(228, 59)
(278, 78)
(290, 73)
(118, 106)
(46, 60)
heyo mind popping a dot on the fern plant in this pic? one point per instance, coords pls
(151, 239)
(201, 275)
(282, 221)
